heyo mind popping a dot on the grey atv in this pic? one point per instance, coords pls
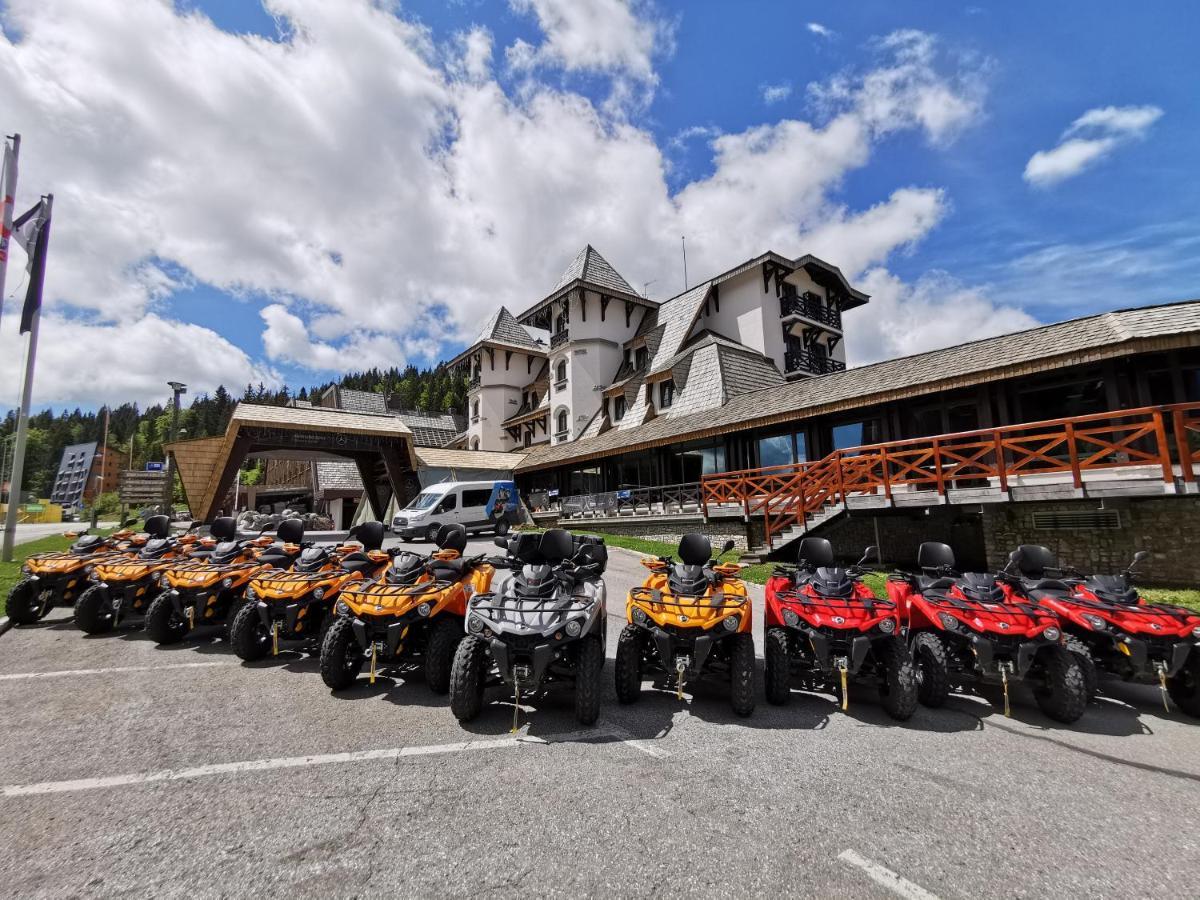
(546, 626)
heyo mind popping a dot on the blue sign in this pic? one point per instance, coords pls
(504, 500)
(624, 495)
(155, 466)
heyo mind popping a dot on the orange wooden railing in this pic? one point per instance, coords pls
(787, 495)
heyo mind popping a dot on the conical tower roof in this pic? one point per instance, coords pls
(593, 268)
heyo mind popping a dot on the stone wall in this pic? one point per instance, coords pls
(668, 529)
(1169, 527)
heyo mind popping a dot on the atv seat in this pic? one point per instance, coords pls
(1047, 586)
(815, 553)
(358, 562)
(1035, 560)
(222, 529)
(276, 557)
(158, 526)
(928, 584)
(87, 544)
(369, 534)
(446, 569)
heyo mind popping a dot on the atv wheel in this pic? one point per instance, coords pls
(932, 669)
(1087, 665)
(431, 533)
(467, 677)
(323, 632)
(25, 603)
(163, 624)
(898, 686)
(630, 647)
(235, 607)
(778, 669)
(1061, 695)
(741, 674)
(341, 656)
(444, 637)
(1184, 685)
(587, 680)
(94, 611)
(501, 527)
(247, 636)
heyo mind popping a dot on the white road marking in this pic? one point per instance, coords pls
(885, 877)
(67, 673)
(294, 762)
(646, 747)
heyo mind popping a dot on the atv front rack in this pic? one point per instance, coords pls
(1177, 612)
(527, 607)
(1001, 608)
(420, 589)
(653, 595)
(869, 603)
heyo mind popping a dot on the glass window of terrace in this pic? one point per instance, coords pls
(687, 463)
(782, 450)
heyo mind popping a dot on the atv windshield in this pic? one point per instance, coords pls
(424, 500)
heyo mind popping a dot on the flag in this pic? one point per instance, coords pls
(32, 231)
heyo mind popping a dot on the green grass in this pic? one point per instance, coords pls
(10, 572)
(876, 581)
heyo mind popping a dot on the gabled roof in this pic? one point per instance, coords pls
(590, 267)
(502, 330)
(1045, 348)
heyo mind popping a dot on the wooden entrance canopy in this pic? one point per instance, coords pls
(380, 445)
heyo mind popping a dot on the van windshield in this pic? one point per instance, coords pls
(424, 500)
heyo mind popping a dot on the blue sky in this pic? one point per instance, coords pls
(364, 192)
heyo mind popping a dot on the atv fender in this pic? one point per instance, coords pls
(1027, 653)
(176, 602)
(542, 654)
(264, 614)
(291, 613)
(1179, 655)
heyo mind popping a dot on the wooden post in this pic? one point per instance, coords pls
(887, 475)
(1073, 451)
(937, 466)
(1001, 463)
(1164, 450)
(1183, 447)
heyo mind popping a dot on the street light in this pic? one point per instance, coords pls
(179, 389)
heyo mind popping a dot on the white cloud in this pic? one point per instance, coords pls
(937, 311)
(1104, 129)
(384, 194)
(820, 30)
(774, 93)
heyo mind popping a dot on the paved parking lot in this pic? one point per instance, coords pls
(133, 769)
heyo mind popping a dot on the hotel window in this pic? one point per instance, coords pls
(618, 409)
(640, 357)
(666, 394)
(561, 423)
(560, 371)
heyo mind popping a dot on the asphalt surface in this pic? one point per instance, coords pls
(36, 531)
(229, 779)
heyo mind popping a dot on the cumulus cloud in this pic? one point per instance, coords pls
(820, 30)
(379, 194)
(1103, 130)
(775, 93)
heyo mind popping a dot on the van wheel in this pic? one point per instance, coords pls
(501, 527)
(431, 533)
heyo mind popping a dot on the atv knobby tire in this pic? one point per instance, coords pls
(630, 647)
(777, 669)
(467, 677)
(1061, 695)
(94, 611)
(24, 606)
(932, 669)
(1184, 685)
(445, 634)
(342, 657)
(898, 678)
(249, 639)
(501, 527)
(1087, 665)
(741, 673)
(588, 669)
(163, 624)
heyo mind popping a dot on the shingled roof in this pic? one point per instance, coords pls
(1048, 347)
(502, 328)
(591, 267)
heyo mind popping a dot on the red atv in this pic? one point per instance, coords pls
(824, 626)
(964, 626)
(1110, 627)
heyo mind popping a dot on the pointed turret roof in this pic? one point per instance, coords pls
(593, 268)
(502, 328)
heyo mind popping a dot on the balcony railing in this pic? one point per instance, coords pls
(799, 360)
(558, 338)
(638, 501)
(810, 306)
(474, 381)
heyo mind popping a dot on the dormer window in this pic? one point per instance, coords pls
(640, 357)
(666, 394)
(619, 409)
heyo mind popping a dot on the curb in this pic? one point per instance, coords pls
(5, 624)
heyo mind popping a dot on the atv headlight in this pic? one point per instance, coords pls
(227, 583)
(949, 622)
(1196, 632)
(250, 595)
(639, 616)
(1052, 634)
(340, 608)
(730, 623)
(887, 626)
(88, 570)
(424, 610)
(791, 619)
(319, 594)
(574, 627)
(25, 570)
(475, 624)
(1097, 623)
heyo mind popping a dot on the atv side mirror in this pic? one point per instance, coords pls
(726, 547)
(870, 555)
(501, 542)
(130, 521)
(1140, 556)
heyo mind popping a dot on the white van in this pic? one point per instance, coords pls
(475, 505)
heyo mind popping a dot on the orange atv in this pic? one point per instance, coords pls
(124, 584)
(210, 588)
(413, 615)
(58, 578)
(298, 604)
(687, 619)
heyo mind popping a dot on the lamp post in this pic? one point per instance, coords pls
(179, 389)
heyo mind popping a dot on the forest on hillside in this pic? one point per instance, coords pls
(140, 433)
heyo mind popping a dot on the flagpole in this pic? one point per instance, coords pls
(10, 194)
(18, 473)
